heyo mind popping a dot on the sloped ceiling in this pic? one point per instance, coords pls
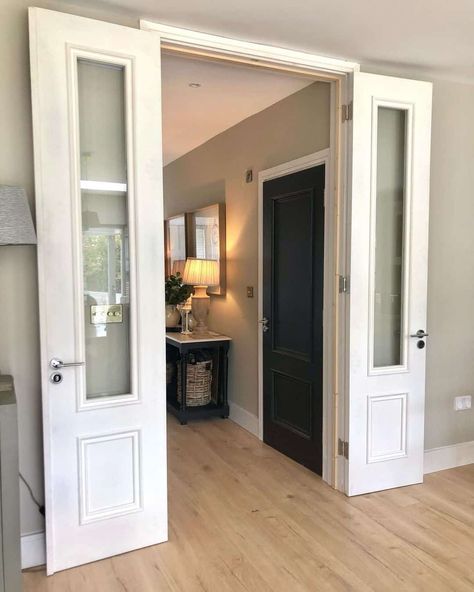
(227, 94)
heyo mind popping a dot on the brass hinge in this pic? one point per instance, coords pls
(343, 284)
(347, 112)
(343, 448)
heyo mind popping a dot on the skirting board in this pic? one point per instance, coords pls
(449, 457)
(33, 550)
(243, 418)
(436, 459)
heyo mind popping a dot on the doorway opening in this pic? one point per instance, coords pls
(229, 126)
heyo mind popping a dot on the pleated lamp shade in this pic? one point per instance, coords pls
(16, 225)
(201, 272)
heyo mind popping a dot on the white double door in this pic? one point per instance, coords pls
(96, 91)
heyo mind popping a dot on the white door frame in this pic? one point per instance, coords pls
(194, 42)
(321, 157)
(338, 73)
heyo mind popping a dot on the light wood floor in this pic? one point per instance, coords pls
(245, 518)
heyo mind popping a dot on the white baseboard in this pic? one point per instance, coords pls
(435, 459)
(33, 550)
(449, 457)
(244, 418)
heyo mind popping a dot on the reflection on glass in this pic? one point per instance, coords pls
(389, 235)
(176, 244)
(105, 252)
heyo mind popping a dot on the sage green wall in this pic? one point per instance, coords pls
(294, 127)
(450, 346)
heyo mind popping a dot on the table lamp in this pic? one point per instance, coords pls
(200, 273)
(16, 225)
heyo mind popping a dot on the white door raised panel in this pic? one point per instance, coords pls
(388, 282)
(98, 169)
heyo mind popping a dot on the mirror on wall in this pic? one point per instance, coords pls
(176, 245)
(206, 231)
(201, 234)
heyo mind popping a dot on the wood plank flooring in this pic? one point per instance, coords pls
(245, 518)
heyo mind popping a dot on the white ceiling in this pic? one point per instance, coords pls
(228, 94)
(434, 37)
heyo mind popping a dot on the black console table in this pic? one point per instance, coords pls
(178, 349)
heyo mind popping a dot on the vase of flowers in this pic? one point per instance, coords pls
(175, 293)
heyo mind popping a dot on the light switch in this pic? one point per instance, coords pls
(249, 291)
(462, 403)
(106, 313)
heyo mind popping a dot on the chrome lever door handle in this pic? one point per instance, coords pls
(56, 364)
(264, 323)
(420, 334)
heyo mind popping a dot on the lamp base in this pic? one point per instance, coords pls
(200, 308)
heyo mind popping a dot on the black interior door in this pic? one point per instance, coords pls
(293, 266)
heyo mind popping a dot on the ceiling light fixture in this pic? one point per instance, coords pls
(194, 84)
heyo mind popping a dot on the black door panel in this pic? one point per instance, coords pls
(293, 258)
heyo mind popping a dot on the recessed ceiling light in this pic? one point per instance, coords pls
(194, 84)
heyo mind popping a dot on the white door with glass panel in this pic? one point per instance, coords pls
(98, 169)
(388, 282)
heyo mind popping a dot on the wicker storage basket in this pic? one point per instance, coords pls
(199, 382)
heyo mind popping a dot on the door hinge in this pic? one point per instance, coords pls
(343, 284)
(343, 448)
(346, 112)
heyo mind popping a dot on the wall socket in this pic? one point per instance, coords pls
(462, 403)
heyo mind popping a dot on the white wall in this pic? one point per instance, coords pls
(451, 279)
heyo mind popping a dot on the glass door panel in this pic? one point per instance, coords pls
(105, 237)
(389, 237)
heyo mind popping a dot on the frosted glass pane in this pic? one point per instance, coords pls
(102, 122)
(105, 240)
(389, 259)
